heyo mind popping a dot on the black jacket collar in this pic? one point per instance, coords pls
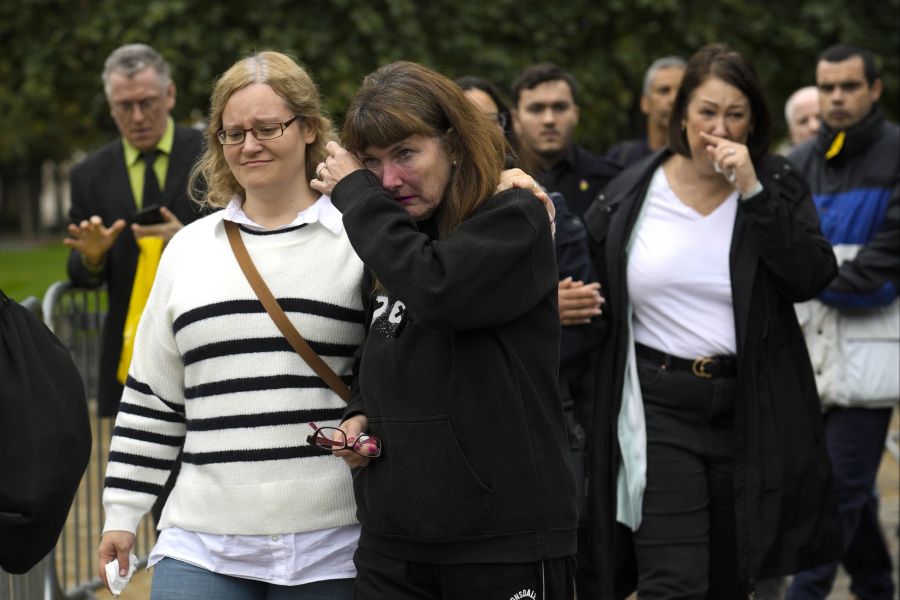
(858, 137)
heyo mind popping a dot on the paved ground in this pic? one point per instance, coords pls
(889, 489)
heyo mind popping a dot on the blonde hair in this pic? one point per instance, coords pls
(290, 81)
(404, 99)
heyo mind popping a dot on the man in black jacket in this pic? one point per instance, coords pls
(149, 164)
(545, 114)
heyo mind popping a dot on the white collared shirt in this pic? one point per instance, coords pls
(289, 559)
(322, 211)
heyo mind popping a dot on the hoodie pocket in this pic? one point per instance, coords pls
(422, 486)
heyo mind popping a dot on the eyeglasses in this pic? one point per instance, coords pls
(330, 439)
(262, 132)
(126, 109)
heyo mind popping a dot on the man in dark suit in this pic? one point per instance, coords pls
(149, 164)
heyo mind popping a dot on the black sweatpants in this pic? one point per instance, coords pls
(381, 577)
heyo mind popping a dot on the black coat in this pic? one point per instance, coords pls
(785, 509)
(100, 187)
(579, 177)
(45, 437)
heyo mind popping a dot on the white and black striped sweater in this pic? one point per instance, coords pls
(211, 372)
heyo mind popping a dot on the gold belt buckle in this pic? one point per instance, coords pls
(699, 367)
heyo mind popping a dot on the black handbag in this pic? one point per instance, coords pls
(45, 436)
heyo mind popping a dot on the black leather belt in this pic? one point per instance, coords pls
(705, 367)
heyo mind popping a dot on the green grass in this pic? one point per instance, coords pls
(29, 272)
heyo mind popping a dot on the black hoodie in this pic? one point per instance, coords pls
(458, 379)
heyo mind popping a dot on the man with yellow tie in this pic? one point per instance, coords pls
(147, 167)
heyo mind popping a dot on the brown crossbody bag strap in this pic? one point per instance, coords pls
(281, 320)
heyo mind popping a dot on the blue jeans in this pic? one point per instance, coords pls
(855, 438)
(176, 580)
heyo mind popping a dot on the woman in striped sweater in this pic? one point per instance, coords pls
(255, 511)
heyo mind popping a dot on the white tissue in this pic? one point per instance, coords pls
(117, 583)
(730, 174)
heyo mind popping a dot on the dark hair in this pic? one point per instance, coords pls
(719, 61)
(403, 99)
(470, 82)
(535, 75)
(842, 52)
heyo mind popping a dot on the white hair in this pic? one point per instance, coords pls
(789, 105)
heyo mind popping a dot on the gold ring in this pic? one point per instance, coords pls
(534, 186)
(319, 172)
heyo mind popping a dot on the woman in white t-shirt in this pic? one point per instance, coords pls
(707, 451)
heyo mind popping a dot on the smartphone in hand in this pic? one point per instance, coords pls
(149, 215)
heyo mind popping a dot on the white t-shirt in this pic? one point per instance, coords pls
(679, 278)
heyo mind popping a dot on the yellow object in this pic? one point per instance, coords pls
(151, 250)
(135, 163)
(836, 146)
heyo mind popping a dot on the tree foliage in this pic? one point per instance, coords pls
(52, 103)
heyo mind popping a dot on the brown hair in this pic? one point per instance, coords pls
(404, 99)
(290, 81)
(721, 62)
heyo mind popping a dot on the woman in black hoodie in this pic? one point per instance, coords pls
(472, 496)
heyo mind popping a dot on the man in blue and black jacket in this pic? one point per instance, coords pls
(853, 328)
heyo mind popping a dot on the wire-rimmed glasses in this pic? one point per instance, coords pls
(330, 439)
(262, 132)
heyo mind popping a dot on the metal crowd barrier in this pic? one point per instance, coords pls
(36, 584)
(34, 305)
(69, 572)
